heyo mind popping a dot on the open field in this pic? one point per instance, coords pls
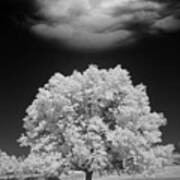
(169, 173)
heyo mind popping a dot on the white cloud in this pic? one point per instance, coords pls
(100, 23)
(169, 23)
(84, 39)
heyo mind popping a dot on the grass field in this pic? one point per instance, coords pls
(169, 173)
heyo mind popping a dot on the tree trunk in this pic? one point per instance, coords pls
(89, 175)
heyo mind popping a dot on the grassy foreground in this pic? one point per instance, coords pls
(169, 173)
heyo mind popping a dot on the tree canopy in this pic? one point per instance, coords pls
(9, 165)
(96, 121)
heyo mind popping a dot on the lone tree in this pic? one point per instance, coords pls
(97, 121)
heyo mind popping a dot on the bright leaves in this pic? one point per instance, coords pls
(9, 165)
(95, 121)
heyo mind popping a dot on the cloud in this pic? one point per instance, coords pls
(169, 23)
(99, 24)
(83, 39)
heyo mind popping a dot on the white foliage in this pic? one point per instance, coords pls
(46, 164)
(94, 121)
(9, 165)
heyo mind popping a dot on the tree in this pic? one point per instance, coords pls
(9, 165)
(98, 121)
(46, 164)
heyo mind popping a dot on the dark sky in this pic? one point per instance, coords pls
(27, 62)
